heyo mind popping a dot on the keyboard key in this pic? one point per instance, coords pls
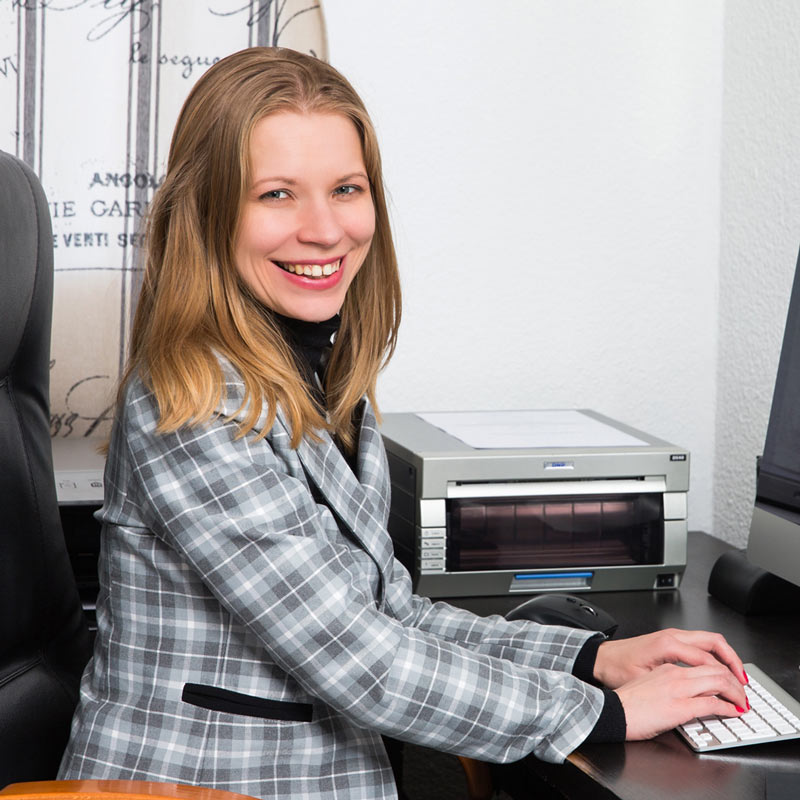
(721, 732)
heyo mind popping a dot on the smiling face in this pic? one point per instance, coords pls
(307, 219)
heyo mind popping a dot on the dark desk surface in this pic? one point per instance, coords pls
(665, 768)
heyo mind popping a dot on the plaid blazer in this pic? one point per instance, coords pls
(255, 632)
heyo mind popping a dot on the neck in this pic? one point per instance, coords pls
(310, 341)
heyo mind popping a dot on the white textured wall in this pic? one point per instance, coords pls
(760, 238)
(554, 173)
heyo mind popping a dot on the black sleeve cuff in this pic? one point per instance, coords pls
(610, 725)
(583, 668)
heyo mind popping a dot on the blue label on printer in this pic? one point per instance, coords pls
(543, 576)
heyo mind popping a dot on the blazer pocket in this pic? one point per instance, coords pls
(216, 699)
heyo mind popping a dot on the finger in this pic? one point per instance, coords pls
(714, 681)
(717, 646)
(677, 651)
(730, 696)
(682, 652)
(714, 705)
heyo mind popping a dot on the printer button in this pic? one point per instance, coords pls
(438, 542)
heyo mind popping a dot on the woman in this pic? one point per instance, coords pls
(254, 630)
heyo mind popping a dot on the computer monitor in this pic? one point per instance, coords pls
(774, 541)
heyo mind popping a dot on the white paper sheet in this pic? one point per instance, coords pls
(516, 429)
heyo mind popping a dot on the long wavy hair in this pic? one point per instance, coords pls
(193, 305)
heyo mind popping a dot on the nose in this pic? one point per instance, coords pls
(320, 224)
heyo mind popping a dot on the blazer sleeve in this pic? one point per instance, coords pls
(525, 643)
(276, 561)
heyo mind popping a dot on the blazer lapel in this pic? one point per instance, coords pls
(362, 508)
(373, 469)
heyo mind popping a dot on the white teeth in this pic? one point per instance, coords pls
(311, 270)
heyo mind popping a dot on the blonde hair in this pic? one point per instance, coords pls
(194, 306)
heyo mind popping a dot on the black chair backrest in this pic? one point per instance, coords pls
(44, 641)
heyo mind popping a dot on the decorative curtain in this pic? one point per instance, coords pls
(89, 94)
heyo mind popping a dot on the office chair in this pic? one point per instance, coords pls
(44, 640)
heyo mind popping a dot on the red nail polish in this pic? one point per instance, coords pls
(746, 679)
(740, 709)
(748, 705)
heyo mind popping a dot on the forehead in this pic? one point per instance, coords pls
(301, 142)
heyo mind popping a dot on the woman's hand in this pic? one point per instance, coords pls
(669, 695)
(622, 661)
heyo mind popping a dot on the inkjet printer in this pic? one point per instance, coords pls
(491, 503)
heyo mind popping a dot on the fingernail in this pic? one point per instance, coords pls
(746, 679)
(748, 705)
(740, 709)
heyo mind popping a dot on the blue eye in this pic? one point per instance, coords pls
(347, 189)
(274, 194)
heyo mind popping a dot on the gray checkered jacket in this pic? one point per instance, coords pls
(255, 632)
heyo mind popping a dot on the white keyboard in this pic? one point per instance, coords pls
(774, 716)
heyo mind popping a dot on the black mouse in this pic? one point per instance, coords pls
(565, 609)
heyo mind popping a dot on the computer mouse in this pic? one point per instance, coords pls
(565, 609)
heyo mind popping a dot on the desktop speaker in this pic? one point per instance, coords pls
(748, 589)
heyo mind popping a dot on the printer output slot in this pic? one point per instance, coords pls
(520, 533)
(555, 488)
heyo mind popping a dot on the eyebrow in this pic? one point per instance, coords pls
(353, 175)
(276, 179)
(292, 182)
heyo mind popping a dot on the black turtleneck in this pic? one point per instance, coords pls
(311, 345)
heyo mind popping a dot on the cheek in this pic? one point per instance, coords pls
(249, 255)
(364, 228)
(260, 234)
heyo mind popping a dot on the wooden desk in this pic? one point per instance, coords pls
(665, 768)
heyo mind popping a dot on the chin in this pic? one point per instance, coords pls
(311, 313)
